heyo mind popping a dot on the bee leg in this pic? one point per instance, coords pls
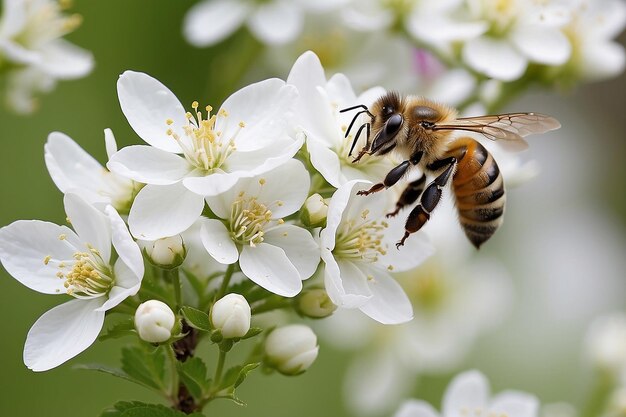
(392, 177)
(410, 194)
(429, 199)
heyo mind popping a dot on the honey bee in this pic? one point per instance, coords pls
(420, 131)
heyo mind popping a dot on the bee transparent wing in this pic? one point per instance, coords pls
(511, 127)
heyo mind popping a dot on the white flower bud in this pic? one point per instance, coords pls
(291, 349)
(314, 211)
(606, 343)
(154, 321)
(315, 303)
(231, 314)
(168, 252)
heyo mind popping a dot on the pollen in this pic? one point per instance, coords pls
(365, 213)
(68, 221)
(356, 240)
(262, 181)
(242, 124)
(46, 260)
(169, 122)
(62, 237)
(90, 276)
(250, 219)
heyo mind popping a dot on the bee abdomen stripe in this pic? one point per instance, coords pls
(482, 214)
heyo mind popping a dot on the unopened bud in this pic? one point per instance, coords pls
(315, 303)
(291, 349)
(314, 211)
(154, 321)
(167, 253)
(231, 315)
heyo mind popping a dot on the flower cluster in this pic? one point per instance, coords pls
(33, 55)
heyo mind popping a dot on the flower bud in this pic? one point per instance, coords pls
(606, 343)
(154, 321)
(231, 315)
(291, 349)
(314, 211)
(167, 253)
(315, 303)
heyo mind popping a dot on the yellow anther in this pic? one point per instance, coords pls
(281, 221)
(365, 213)
(169, 132)
(194, 105)
(242, 124)
(62, 237)
(169, 122)
(344, 128)
(209, 109)
(47, 259)
(223, 113)
(188, 115)
(262, 181)
(390, 267)
(285, 234)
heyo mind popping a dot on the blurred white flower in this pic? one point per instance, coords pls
(358, 250)
(31, 44)
(168, 252)
(246, 137)
(291, 349)
(154, 321)
(317, 114)
(605, 344)
(53, 259)
(315, 303)
(469, 394)
(231, 315)
(74, 170)
(273, 22)
(274, 254)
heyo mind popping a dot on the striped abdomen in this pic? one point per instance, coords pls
(478, 188)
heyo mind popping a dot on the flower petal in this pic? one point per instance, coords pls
(276, 22)
(325, 161)
(418, 245)
(62, 333)
(287, 184)
(127, 283)
(467, 391)
(218, 242)
(602, 60)
(414, 408)
(149, 165)
(262, 160)
(300, 247)
(13, 18)
(72, 168)
(24, 246)
(209, 22)
(126, 248)
(515, 404)
(65, 61)
(163, 210)
(147, 105)
(389, 303)
(269, 267)
(345, 283)
(213, 184)
(494, 58)
(90, 224)
(110, 143)
(542, 44)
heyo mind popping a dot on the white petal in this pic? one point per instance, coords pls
(147, 105)
(414, 408)
(542, 44)
(453, 87)
(213, 184)
(336, 207)
(389, 303)
(287, 184)
(339, 90)
(209, 22)
(19, 54)
(13, 18)
(25, 244)
(269, 267)
(515, 404)
(65, 61)
(265, 107)
(494, 58)
(90, 224)
(72, 168)
(277, 22)
(262, 160)
(127, 284)
(325, 161)
(307, 71)
(149, 165)
(218, 242)
(62, 333)
(300, 247)
(163, 210)
(441, 29)
(109, 142)
(602, 60)
(417, 245)
(344, 282)
(467, 391)
(126, 248)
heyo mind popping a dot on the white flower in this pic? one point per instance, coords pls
(606, 343)
(74, 170)
(53, 259)
(272, 22)
(246, 137)
(154, 321)
(31, 40)
(469, 394)
(358, 250)
(231, 315)
(274, 254)
(168, 252)
(291, 349)
(317, 114)
(314, 211)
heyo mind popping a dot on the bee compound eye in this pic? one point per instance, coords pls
(393, 124)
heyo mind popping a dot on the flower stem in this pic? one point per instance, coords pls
(225, 281)
(596, 401)
(175, 279)
(174, 381)
(218, 370)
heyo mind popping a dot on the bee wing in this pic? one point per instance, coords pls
(511, 127)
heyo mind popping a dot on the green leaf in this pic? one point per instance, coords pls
(236, 375)
(243, 373)
(193, 374)
(120, 329)
(252, 332)
(111, 371)
(139, 409)
(196, 318)
(145, 365)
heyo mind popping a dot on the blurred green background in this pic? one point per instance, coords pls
(145, 35)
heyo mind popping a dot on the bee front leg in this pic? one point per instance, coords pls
(410, 194)
(392, 177)
(429, 199)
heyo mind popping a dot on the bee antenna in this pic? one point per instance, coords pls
(356, 138)
(358, 106)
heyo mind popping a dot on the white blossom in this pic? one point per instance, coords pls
(291, 349)
(605, 344)
(196, 155)
(167, 252)
(154, 321)
(54, 259)
(231, 315)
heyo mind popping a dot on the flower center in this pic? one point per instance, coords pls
(480, 412)
(203, 146)
(361, 240)
(88, 277)
(501, 15)
(46, 21)
(427, 287)
(250, 219)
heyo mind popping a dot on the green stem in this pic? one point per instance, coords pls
(218, 370)
(173, 394)
(225, 281)
(175, 278)
(596, 401)
(271, 304)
